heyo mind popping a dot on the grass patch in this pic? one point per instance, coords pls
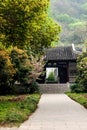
(79, 97)
(16, 109)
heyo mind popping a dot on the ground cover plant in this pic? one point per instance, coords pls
(16, 109)
(79, 97)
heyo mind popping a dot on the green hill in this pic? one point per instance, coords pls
(72, 16)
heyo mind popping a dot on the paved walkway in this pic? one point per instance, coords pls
(56, 112)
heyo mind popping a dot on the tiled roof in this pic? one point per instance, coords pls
(61, 53)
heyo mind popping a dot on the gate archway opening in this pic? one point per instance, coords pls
(51, 74)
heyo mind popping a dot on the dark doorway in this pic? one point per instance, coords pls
(63, 74)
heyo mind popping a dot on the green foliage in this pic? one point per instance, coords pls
(84, 6)
(79, 97)
(6, 72)
(81, 79)
(16, 109)
(24, 25)
(18, 67)
(76, 24)
(84, 17)
(65, 18)
(51, 77)
(21, 64)
(71, 14)
(13, 22)
(82, 71)
(80, 33)
(34, 87)
(13, 117)
(77, 88)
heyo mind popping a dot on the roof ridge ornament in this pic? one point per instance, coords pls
(74, 50)
(73, 47)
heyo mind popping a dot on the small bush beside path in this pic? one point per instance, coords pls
(79, 97)
(16, 109)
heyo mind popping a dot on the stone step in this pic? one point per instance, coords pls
(54, 88)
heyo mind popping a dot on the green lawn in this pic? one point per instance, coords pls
(16, 109)
(79, 97)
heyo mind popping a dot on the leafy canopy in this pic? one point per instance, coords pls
(26, 22)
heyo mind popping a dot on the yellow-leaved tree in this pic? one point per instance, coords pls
(26, 23)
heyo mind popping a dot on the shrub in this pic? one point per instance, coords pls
(37, 68)
(81, 79)
(34, 87)
(21, 64)
(77, 88)
(6, 72)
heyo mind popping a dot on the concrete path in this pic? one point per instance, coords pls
(56, 112)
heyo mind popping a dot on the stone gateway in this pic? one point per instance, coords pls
(61, 61)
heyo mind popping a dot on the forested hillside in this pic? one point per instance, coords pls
(72, 16)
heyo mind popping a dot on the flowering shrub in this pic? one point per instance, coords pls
(37, 68)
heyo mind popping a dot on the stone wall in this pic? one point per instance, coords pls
(54, 88)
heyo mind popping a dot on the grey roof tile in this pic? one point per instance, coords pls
(61, 53)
